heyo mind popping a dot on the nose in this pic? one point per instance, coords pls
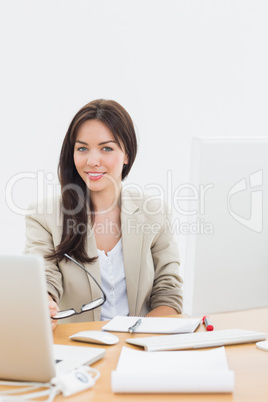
(93, 158)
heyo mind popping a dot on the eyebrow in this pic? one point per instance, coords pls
(101, 143)
(106, 142)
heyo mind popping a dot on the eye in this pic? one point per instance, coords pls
(82, 149)
(107, 149)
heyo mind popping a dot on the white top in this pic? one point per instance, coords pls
(113, 282)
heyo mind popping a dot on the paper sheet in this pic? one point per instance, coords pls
(166, 372)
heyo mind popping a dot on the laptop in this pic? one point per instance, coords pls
(27, 352)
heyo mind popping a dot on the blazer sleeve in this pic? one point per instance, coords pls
(39, 240)
(167, 288)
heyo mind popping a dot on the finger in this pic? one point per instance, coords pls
(52, 304)
(53, 308)
(53, 324)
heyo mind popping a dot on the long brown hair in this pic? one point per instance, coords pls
(76, 205)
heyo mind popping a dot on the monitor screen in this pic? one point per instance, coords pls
(226, 267)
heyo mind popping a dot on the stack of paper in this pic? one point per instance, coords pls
(153, 325)
(167, 372)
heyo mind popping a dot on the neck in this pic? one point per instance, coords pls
(106, 201)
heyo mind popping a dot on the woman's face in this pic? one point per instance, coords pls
(98, 158)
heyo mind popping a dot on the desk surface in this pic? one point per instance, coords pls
(249, 363)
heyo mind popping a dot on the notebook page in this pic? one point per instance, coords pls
(153, 325)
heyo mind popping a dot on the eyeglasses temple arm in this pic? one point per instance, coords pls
(84, 269)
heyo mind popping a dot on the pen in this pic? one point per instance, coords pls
(135, 326)
(206, 320)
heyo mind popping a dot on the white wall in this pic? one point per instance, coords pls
(182, 69)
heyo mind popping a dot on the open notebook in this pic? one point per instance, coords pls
(153, 325)
(26, 348)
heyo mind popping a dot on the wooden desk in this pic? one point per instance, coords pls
(249, 363)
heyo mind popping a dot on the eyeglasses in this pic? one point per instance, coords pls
(86, 307)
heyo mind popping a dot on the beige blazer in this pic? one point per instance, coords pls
(150, 253)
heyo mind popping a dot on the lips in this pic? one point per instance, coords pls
(95, 175)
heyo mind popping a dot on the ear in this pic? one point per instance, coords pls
(126, 160)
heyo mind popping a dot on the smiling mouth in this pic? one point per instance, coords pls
(95, 176)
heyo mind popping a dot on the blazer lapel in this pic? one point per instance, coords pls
(132, 238)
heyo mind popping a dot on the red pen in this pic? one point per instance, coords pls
(208, 323)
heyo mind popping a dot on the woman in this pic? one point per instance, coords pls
(121, 237)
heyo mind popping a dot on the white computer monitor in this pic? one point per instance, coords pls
(226, 266)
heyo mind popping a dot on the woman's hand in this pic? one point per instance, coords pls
(53, 308)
